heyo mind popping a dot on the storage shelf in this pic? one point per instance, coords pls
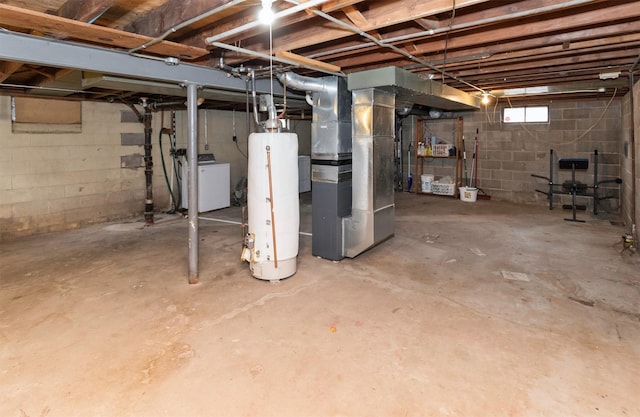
(456, 168)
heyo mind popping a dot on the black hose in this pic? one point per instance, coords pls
(177, 168)
(166, 177)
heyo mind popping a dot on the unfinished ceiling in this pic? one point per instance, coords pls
(566, 49)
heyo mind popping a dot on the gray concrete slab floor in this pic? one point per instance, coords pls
(471, 309)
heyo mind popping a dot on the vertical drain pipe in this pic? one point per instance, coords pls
(632, 152)
(148, 163)
(192, 183)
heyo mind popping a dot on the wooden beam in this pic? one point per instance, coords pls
(55, 25)
(428, 24)
(548, 45)
(8, 68)
(307, 62)
(356, 17)
(173, 12)
(45, 79)
(44, 74)
(358, 20)
(546, 76)
(599, 60)
(533, 33)
(625, 45)
(380, 15)
(539, 27)
(290, 21)
(85, 10)
(543, 48)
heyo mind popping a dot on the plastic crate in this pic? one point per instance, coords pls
(442, 188)
(441, 149)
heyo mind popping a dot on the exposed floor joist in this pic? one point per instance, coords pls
(67, 28)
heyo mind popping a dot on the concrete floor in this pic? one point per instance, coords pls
(472, 309)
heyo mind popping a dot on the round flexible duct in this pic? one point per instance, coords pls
(300, 82)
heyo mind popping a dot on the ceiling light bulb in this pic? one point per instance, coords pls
(266, 15)
(485, 98)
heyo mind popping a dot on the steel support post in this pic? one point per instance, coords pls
(192, 183)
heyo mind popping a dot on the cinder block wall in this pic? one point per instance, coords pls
(626, 159)
(509, 154)
(59, 181)
(636, 132)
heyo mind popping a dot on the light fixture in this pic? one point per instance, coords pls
(609, 75)
(485, 98)
(266, 15)
(171, 60)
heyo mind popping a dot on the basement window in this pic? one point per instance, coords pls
(37, 115)
(527, 114)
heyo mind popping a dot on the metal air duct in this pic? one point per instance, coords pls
(409, 87)
(330, 159)
(373, 205)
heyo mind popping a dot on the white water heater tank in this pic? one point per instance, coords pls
(273, 205)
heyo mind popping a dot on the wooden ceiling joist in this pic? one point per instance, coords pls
(490, 45)
(307, 62)
(84, 10)
(538, 34)
(7, 69)
(59, 26)
(378, 16)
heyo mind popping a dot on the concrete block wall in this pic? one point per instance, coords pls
(636, 130)
(509, 154)
(59, 181)
(626, 159)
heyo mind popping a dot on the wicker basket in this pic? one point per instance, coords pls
(442, 188)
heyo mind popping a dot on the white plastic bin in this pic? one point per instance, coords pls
(426, 180)
(469, 194)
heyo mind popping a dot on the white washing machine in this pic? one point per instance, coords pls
(214, 185)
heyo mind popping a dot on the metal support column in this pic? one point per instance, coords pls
(192, 185)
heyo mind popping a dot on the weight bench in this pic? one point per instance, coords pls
(573, 188)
